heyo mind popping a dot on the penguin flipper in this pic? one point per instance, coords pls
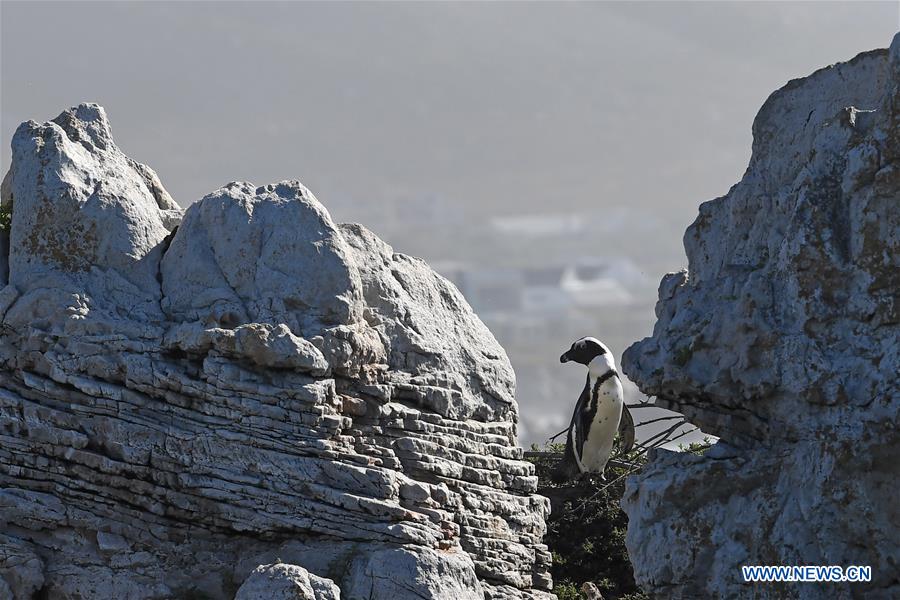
(626, 431)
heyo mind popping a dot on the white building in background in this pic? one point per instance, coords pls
(545, 225)
(593, 284)
(555, 289)
(547, 291)
(542, 290)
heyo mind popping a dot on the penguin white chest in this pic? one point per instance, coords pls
(598, 443)
(603, 412)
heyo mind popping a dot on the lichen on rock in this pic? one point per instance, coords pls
(783, 339)
(244, 395)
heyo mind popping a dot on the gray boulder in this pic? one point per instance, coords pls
(783, 339)
(87, 221)
(439, 352)
(260, 255)
(286, 582)
(412, 572)
(180, 407)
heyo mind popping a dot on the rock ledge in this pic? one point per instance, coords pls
(245, 394)
(783, 339)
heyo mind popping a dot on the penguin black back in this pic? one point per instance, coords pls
(568, 469)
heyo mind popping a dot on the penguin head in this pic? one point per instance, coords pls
(584, 351)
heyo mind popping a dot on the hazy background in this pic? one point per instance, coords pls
(546, 157)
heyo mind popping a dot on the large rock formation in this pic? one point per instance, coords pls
(783, 339)
(255, 398)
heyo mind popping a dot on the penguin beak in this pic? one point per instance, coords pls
(564, 358)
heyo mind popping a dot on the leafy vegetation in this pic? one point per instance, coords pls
(697, 447)
(5, 216)
(586, 529)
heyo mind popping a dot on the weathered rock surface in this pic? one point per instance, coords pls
(257, 386)
(783, 338)
(286, 582)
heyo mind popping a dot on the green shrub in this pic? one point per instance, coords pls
(586, 530)
(5, 216)
(696, 447)
(566, 591)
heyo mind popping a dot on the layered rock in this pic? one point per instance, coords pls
(248, 395)
(783, 339)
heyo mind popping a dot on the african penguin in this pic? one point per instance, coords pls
(598, 412)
